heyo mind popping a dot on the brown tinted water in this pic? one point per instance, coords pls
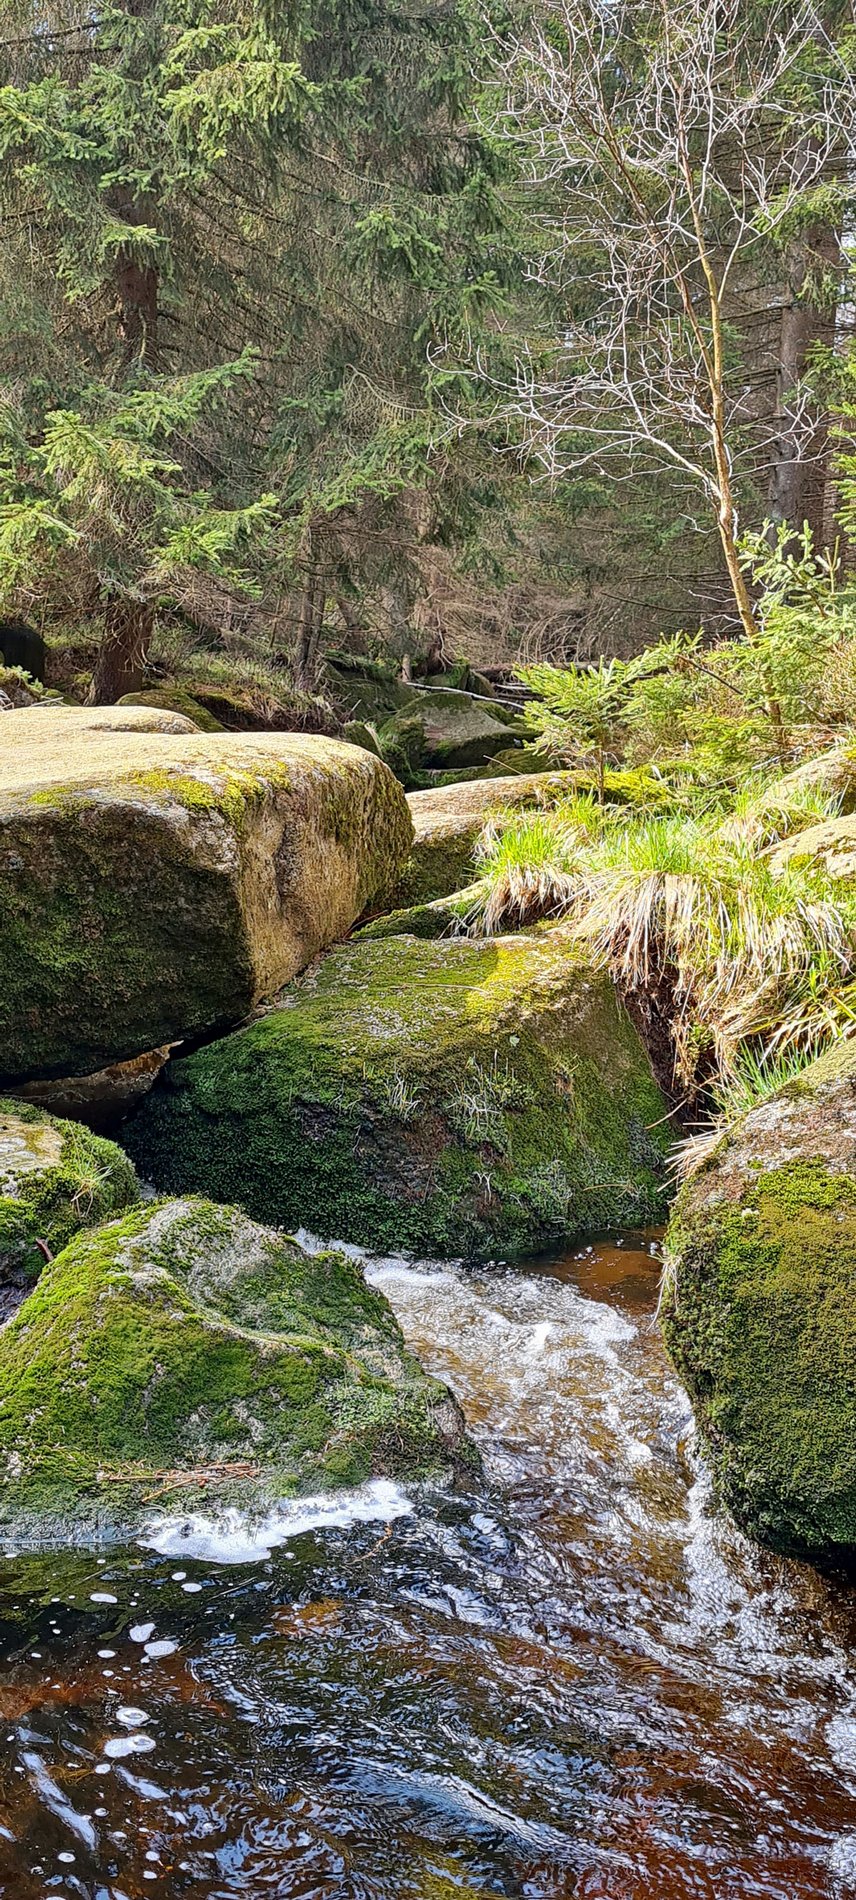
(579, 1682)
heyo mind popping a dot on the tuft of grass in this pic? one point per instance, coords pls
(483, 1095)
(690, 910)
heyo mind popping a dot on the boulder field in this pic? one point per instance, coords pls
(759, 1313)
(185, 1352)
(478, 1099)
(157, 881)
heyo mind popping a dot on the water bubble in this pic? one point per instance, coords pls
(140, 1632)
(102, 1596)
(132, 1718)
(163, 1647)
(120, 1745)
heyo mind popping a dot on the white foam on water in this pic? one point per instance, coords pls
(842, 1863)
(236, 1538)
(841, 1739)
(121, 1745)
(140, 1632)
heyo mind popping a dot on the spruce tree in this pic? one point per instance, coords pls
(234, 239)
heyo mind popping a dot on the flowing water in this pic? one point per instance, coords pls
(579, 1682)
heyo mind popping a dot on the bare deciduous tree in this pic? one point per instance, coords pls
(674, 149)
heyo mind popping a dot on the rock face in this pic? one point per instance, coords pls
(155, 884)
(55, 1177)
(457, 1098)
(760, 1314)
(448, 822)
(185, 1349)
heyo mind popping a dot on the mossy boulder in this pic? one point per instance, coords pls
(175, 699)
(356, 732)
(369, 690)
(760, 1311)
(479, 1099)
(448, 822)
(156, 884)
(443, 729)
(55, 1177)
(185, 1351)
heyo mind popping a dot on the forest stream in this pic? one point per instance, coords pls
(580, 1681)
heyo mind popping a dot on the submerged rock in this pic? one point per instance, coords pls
(55, 1177)
(156, 884)
(759, 1312)
(457, 1098)
(186, 1351)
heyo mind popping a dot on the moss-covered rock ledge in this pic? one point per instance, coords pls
(460, 1098)
(760, 1311)
(184, 1352)
(156, 884)
(55, 1177)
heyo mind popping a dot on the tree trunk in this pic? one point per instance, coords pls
(313, 601)
(120, 664)
(137, 287)
(799, 468)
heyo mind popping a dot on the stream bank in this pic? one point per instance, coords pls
(583, 1684)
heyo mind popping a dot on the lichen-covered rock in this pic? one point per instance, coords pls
(185, 1350)
(458, 1098)
(156, 884)
(829, 847)
(448, 822)
(760, 1310)
(55, 1177)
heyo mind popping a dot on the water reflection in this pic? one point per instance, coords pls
(578, 1683)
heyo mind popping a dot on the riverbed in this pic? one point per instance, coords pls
(580, 1680)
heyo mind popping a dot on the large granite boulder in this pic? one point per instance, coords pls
(184, 1351)
(760, 1310)
(465, 1098)
(55, 1177)
(155, 883)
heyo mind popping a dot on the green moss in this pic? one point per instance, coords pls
(760, 1318)
(232, 795)
(412, 1094)
(442, 918)
(185, 1339)
(55, 1177)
